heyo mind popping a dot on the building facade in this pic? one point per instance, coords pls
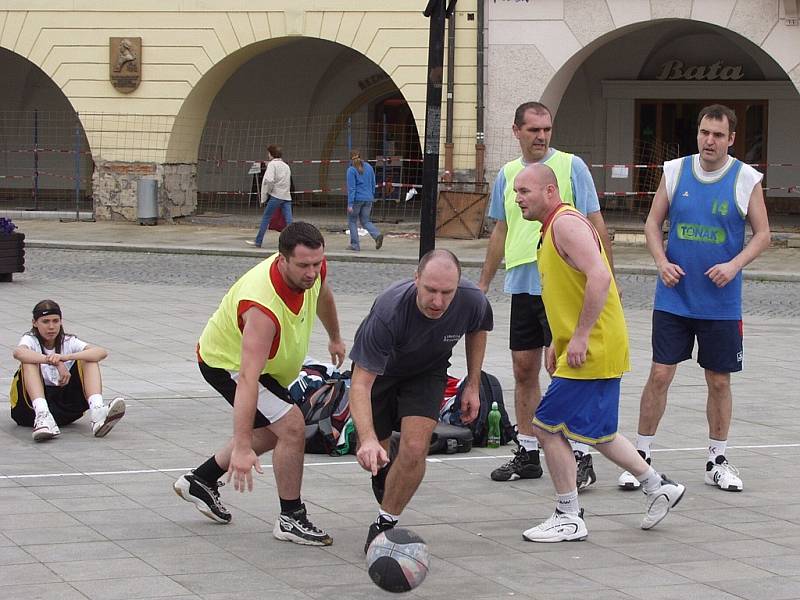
(190, 92)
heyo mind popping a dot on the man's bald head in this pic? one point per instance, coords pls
(437, 255)
(537, 191)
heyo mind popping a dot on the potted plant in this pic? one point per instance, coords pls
(12, 250)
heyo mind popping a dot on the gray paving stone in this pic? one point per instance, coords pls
(105, 568)
(47, 553)
(14, 555)
(40, 591)
(472, 525)
(27, 573)
(233, 582)
(131, 587)
(689, 591)
(53, 535)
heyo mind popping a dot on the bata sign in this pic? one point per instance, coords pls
(675, 69)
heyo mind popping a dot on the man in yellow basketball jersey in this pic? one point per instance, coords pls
(586, 359)
(516, 239)
(251, 349)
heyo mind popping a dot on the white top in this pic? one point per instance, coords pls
(747, 180)
(277, 181)
(50, 372)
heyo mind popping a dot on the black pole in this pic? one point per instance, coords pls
(35, 159)
(433, 116)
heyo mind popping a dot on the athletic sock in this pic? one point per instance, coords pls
(579, 447)
(650, 480)
(716, 448)
(643, 443)
(385, 516)
(529, 442)
(95, 400)
(289, 506)
(209, 471)
(568, 503)
(40, 406)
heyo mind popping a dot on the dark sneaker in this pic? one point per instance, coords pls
(524, 465)
(628, 481)
(379, 241)
(586, 475)
(295, 527)
(204, 495)
(378, 527)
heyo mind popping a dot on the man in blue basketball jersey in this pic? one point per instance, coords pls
(707, 197)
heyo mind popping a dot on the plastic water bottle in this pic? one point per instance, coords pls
(494, 427)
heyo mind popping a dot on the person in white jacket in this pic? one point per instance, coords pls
(275, 192)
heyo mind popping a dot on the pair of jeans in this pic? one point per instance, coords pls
(272, 205)
(361, 211)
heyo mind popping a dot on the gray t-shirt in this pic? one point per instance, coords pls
(396, 339)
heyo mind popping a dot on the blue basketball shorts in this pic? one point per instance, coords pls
(719, 343)
(584, 410)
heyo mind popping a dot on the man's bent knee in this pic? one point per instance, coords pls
(526, 365)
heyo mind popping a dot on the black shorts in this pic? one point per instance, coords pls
(273, 398)
(66, 403)
(719, 343)
(529, 329)
(415, 396)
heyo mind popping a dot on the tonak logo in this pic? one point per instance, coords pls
(701, 233)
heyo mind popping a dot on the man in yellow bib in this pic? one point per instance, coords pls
(251, 349)
(517, 239)
(586, 359)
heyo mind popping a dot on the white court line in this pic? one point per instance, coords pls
(353, 462)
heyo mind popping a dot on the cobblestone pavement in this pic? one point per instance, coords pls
(89, 519)
(764, 298)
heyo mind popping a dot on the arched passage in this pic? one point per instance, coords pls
(632, 96)
(314, 97)
(45, 163)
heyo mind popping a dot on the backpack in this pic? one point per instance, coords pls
(490, 391)
(326, 411)
(446, 439)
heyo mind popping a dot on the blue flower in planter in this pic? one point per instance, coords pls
(7, 226)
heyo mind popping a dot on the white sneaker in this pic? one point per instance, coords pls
(105, 417)
(44, 427)
(627, 481)
(660, 501)
(724, 475)
(560, 527)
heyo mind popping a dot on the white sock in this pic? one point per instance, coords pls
(568, 503)
(643, 443)
(382, 514)
(529, 442)
(650, 480)
(579, 447)
(95, 400)
(40, 406)
(716, 448)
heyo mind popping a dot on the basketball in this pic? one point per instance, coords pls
(397, 560)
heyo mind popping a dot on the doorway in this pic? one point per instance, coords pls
(667, 129)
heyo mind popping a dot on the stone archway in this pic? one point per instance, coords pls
(44, 153)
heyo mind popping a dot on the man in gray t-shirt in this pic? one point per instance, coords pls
(400, 357)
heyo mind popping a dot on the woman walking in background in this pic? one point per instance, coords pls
(275, 191)
(360, 196)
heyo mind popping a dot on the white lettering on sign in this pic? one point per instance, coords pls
(675, 69)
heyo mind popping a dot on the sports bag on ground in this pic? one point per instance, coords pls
(490, 391)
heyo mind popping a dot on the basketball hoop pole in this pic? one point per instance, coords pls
(436, 12)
